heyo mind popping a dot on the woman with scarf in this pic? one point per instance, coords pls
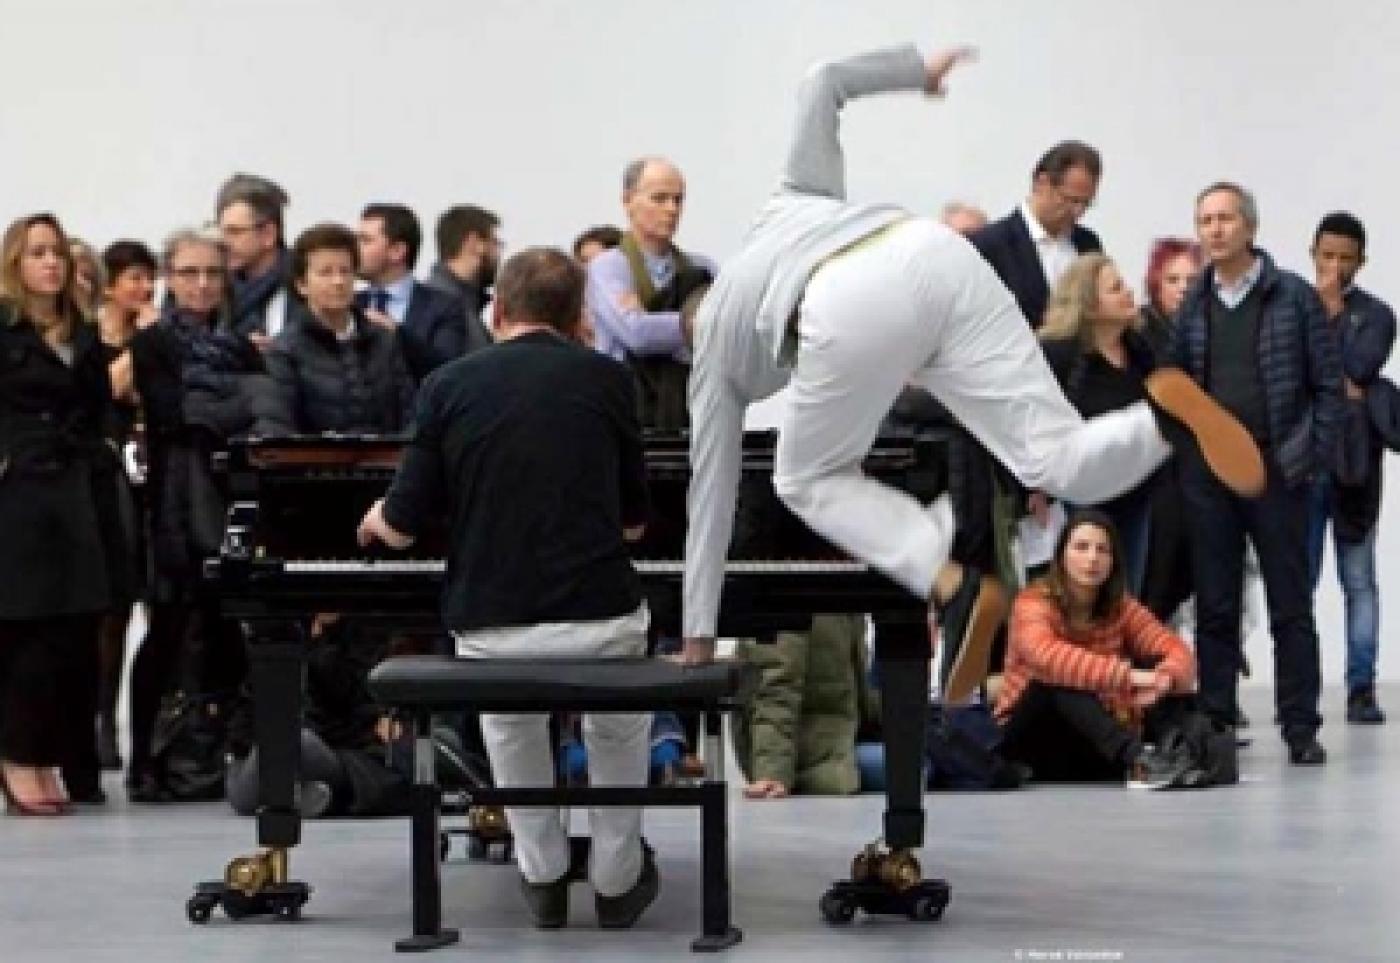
(194, 376)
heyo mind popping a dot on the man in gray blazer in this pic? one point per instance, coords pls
(847, 303)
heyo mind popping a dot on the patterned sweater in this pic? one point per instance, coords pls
(1042, 648)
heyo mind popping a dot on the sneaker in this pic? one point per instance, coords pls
(548, 902)
(1362, 708)
(1226, 446)
(1306, 751)
(969, 621)
(622, 911)
(1156, 768)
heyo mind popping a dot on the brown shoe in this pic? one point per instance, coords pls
(969, 620)
(1227, 447)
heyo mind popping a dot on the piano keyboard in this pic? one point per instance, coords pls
(436, 566)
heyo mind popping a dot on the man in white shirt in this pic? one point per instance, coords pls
(1034, 245)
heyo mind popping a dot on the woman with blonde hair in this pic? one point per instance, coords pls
(54, 396)
(1091, 341)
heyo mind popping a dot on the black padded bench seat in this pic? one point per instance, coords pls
(420, 685)
(575, 685)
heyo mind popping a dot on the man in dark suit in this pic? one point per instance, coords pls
(1033, 245)
(431, 324)
(469, 251)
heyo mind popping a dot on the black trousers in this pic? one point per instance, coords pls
(1277, 525)
(48, 691)
(1068, 735)
(187, 646)
(1169, 580)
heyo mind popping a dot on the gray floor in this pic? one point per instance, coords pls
(1291, 865)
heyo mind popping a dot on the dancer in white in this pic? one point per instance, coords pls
(848, 303)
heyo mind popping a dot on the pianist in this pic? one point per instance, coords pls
(848, 303)
(531, 447)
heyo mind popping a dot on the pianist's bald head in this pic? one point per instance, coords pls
(540, 286)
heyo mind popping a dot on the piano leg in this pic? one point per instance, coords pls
(258, 884)
(902, 660)
(886, 877)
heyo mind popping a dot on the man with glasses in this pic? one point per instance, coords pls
(249, 211)
(1036, 243)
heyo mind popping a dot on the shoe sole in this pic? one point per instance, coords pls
(1225, 445)
(971, 663)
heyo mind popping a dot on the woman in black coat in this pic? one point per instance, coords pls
(334, 370)
(54, 396)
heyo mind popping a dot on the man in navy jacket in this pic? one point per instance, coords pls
(432, 325)
(1348, 494)
(1256, 338)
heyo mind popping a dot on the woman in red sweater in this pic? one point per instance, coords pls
(1090, 674)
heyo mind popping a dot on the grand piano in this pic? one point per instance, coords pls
(289, 551)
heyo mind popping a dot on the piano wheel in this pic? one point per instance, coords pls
(838, 908)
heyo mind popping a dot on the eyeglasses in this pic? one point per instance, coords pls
(194, 273)
(236, 230)
(1069, 200)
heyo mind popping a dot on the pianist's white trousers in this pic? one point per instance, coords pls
(918, 305)
(618, 747)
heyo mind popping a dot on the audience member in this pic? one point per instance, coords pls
(333, 369)
(469, 252)
(87, 275)
(798, 733)
(1101, 361)
(1348, 492)
(637, 290)
(129, 269)
(1172, 265)
(54, 397)
(431, 325)
(595, 241)
(249, 209)
(1167, 583)
(193, 374)
(1090, 672)
(1033, 245)
(1257, 339)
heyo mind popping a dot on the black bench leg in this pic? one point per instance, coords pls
(428, 933)
(717, 931)
(903, 656)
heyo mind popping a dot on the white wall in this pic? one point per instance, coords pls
(123, 117)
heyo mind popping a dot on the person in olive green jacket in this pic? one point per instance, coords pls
(798, 734)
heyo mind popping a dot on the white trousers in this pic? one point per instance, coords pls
(918, 305)
(618, 747)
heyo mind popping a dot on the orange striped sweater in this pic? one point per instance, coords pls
(1042, 648)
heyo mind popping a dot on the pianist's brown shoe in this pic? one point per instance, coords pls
(1226, 446)
(969, 621)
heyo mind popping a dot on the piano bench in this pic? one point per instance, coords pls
(421, 685)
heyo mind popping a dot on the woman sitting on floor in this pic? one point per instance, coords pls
(1091, 676)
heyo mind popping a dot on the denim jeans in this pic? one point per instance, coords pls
(1356, 571)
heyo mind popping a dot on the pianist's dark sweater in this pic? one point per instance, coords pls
(532, 449)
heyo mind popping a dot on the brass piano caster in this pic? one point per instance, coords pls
(897, 869)
(254, 885)
(488, 836)
(250, 875)
(888, 883)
